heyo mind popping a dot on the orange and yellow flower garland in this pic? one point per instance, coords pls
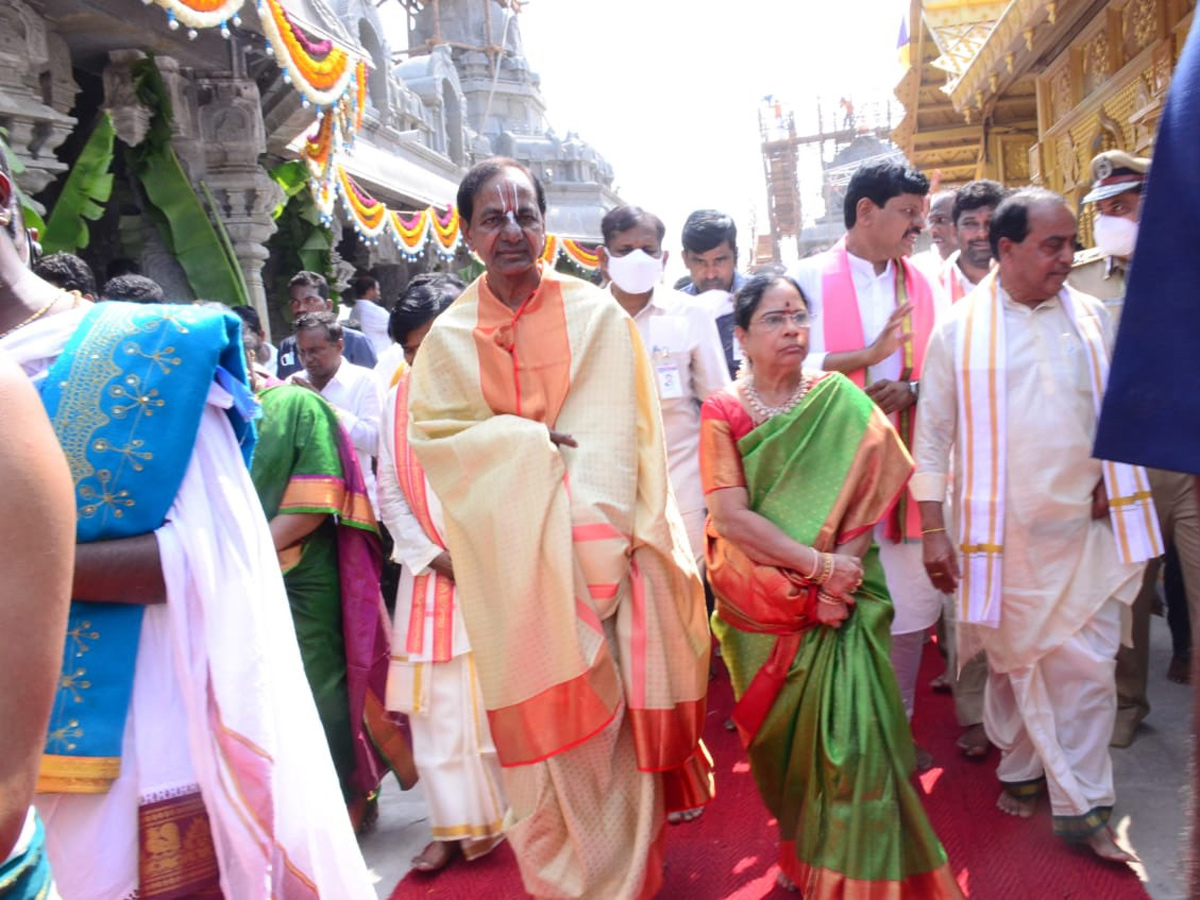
(202, 14)
(412, 231)
(320, 69)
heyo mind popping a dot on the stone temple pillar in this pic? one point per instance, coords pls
(233, 138)
(218, 135)
(36, 93)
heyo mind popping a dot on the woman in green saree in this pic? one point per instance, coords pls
(307, 477)
(797, 468)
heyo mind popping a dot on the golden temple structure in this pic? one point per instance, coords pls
(1029, 91)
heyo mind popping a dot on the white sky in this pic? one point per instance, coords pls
(668, 91)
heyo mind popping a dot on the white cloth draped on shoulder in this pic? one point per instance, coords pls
(980, 364)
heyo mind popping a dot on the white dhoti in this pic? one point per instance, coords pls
(916, 604)
(453, 751)
(1053, 719)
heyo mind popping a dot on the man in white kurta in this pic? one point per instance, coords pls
(352, 390)
(878, 236)
(432, 675)
(1050, 559)
(684, 345)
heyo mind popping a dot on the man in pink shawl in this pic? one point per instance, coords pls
(875, 311)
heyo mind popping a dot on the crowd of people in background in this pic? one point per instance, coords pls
(484, 535)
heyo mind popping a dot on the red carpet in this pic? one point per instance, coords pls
(729, 853)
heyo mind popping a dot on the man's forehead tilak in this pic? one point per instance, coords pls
(509, 201)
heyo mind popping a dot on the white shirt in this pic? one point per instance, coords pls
(390, 361)
(951, 275)
(876, 303)
(372, 321)
(354, 394)
(929, 262)
(689, 364)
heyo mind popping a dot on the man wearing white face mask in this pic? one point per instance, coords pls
(1117, 180)
(1117, 183)
(683, 343)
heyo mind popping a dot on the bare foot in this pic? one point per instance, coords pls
(1179, 671)
(685, 815)
(1105, 846)
(1023, 807)
(435, 856)
(974, 742)
(786, 883)
(941, 684)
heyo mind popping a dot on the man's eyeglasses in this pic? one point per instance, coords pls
(773, 321)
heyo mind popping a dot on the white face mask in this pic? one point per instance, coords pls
(637, 272)
(1116, 235)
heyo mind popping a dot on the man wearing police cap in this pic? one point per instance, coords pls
(1117, 181)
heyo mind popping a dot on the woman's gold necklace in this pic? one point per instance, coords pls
(37, 315)
(766, 412)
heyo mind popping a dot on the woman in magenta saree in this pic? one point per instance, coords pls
(798, 467)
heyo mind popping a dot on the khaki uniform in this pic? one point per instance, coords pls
(1179, 517)
(1101, 276)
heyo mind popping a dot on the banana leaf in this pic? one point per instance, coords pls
(189, 231)
(175, 207)
(314, 252)
(88, 187)
(226, 242)
(292, 177)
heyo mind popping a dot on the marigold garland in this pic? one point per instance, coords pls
(446, 228)
(318, 147)
(360, 94)
(412, 236)
(369, 213)
(319, 68)
(413, 231)
(580, 255)
(201, 14)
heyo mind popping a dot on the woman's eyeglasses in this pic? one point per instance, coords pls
(773, 321)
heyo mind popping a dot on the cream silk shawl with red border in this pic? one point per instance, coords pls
(548, 543)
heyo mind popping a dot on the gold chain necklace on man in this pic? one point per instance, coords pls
(37, 315)
(766, 412)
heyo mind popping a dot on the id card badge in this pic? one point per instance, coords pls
(670, 383)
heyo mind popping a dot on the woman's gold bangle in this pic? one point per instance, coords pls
(826, 569)
(932, 530)
(812, 576)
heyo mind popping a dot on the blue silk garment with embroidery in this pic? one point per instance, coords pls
(125, 399)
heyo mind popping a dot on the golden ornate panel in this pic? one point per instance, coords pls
(1096, 62)
(1139, 26)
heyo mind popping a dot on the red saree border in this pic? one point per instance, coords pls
(816, 883)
